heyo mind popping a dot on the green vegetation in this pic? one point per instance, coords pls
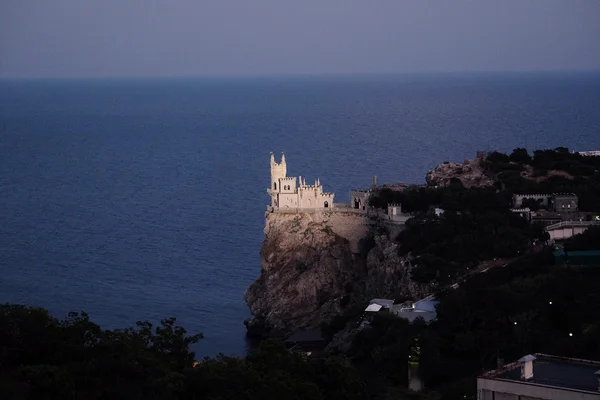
(477, 223)
(588, 240)
(572, 173)
(43, 357)
(528, 306)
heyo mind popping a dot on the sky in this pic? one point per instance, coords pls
(121, 38)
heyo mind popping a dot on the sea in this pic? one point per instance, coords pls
(142, 199)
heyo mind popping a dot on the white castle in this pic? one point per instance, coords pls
(285, 193)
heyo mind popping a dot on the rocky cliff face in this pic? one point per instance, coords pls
(470, 173)
(315, 265)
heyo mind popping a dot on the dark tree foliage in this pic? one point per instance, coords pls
(520, 155)
(588, 240)
(532, 204)
(529, 306)
(42, 357)
(445, 247)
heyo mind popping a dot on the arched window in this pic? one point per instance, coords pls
(326, 204)
(274, 186)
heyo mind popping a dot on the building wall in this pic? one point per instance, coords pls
(359, 199)
(518, 199)
(394, 209)
(288, 200)
(566, 232)
(505, 389)
(565, 204)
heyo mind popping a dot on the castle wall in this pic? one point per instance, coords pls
(288, 200)
(359, 199)
(287, 185)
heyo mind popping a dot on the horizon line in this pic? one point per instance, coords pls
(306, 75)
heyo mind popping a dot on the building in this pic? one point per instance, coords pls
(306, 340)
(424, 308)
(523, 212)
(545, 217)
(592, 153)
(359, 198)
(565, 204)
(541, 377)
(289, 193)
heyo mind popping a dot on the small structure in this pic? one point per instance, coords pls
(523, 212)
(566, 229)
(359, 198)
(591, 153)
(438, 211)
(385, 303)
(542, 377)
(394, 209)
(373, 308)
(565, 203)
(306, 340)
(545, 217)
(424, 308)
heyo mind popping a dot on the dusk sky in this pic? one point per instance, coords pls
(87, 38)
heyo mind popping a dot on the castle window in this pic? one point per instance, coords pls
(274, 186)
(326, 204)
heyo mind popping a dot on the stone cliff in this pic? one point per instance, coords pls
(316, 265)
(471, 173)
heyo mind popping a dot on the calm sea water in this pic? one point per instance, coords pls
(144, 199)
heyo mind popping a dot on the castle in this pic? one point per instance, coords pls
(286, 192)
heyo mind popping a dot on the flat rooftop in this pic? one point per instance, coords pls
(569, 373)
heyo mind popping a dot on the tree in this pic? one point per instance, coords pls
(520, 155)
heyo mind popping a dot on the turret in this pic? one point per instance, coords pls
(278, 171)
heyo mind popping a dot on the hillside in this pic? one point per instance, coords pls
(546, 171)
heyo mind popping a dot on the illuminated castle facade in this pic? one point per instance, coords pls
(294, 193)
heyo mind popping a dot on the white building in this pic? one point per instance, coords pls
(542, 377)
(294, 193)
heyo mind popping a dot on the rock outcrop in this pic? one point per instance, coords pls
(315, 265)
(470, 173)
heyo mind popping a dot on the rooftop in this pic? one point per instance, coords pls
(569, 373)
(306, 336)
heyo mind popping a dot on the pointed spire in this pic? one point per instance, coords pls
(272, 158)
(282, 158)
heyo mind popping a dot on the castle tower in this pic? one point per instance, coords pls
(278, 171)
